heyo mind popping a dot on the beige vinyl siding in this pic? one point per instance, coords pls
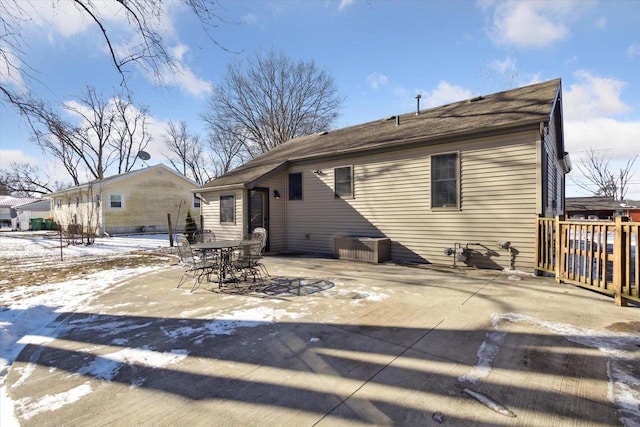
(148, 198)
(85, 213)
(210, 208)
(392, 199)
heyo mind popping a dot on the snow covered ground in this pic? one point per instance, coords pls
(27, 310)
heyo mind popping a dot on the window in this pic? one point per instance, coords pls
(295, 186)
(343, 182)
(115, 201)
(227, 209)
(196, 201)
(444, 180)
(59, 202)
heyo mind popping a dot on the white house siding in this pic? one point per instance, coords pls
(210, 209)
(392, 199)
(78, 208)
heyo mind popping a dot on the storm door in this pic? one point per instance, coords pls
(259, 210)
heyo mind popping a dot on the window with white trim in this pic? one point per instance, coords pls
(343, 182)
(445, 181)
(295, 186)
(228, 209)
(116, 201)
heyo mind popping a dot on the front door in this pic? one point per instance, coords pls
(259, 210)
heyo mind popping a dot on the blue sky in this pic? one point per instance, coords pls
(381, 54)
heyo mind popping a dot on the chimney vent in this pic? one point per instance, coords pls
(418, 96)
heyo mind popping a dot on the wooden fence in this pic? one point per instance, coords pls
(597, 255)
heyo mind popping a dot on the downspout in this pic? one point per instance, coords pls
(540, 175)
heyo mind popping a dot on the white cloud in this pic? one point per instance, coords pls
(530, 24)
(617, 141)
(68, 19)
(588, 107)
(445, 93)
(375, 80)
(620, 139)
(601, 23)
(185, 79)
(178, 74)
(593, 96)
(14, 156)
(344, 4)
(503, 67)
(633, 51)
(249, 19)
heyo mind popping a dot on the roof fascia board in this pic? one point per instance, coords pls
(219, 188)
(248, 184)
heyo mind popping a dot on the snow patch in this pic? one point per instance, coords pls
(31, 408)
(621, 350)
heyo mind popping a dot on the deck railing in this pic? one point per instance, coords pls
(597, 255)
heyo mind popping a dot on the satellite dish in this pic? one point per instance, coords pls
(144, 155)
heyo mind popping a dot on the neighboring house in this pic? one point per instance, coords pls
(39, 208)
(470, 175)
(9, 210)
(132, 202)
(602, 208)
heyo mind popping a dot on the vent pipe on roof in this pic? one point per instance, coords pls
(418, 96)
(397, 120)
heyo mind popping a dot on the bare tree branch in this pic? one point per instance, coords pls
(109, 132)
(23, 179)
(601, 180)
(272, 99)
(186, 154)
(146, 45)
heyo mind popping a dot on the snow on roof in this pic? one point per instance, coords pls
(12, 202)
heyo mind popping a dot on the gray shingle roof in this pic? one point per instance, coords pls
(576, 204)
(525, 105)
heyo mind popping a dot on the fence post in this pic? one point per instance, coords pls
(557, 250)
(618, 263)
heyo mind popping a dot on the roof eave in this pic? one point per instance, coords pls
(529, 124)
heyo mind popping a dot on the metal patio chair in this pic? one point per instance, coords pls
(194, 266)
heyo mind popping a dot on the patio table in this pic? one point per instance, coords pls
(224, 250)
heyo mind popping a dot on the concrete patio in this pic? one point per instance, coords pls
(329, 342)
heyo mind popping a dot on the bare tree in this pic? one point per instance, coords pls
(601, 179)
(109, 132)
(225, 147)
(186, 153)
(23, 179)
(130, 136)
(272, 99)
